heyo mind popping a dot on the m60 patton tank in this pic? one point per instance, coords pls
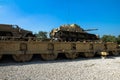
(10, 31)
(72, 32)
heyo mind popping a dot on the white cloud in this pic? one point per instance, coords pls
(4, 10)
(0, 6)
(36, 22)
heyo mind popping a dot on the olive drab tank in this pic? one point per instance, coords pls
(15, 31)
(72, 32)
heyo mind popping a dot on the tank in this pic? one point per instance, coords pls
(7, 30)
(72, 32)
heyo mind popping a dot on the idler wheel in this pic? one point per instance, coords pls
(115, 53)
(71, 55)
(89, 54)
(22, 57)
(49, 56)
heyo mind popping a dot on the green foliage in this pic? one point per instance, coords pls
(109, 38)
(42, 35)
(118, 39)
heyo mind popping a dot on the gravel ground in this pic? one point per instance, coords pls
(78, 69)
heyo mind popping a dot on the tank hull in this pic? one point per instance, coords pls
(72, 33)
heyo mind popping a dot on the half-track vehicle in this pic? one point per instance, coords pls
(72, 32)
(14, 31)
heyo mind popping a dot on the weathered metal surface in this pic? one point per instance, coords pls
(23, 50)
(8, 31)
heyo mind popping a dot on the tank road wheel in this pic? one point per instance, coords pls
(115, 53)
(89, 54)
(22, 57)
(49, 56)
(0, 56)
(71, 55)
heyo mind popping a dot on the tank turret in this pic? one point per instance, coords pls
(72, 32)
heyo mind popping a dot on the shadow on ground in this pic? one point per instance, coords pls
(7, 60)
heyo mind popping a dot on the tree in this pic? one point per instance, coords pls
(109, 38)
(118, 39)
(41, 34)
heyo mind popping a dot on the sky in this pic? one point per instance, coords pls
(44, 15)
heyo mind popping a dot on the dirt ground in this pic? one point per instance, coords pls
(61, 69)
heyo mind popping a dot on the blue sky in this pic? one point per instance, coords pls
(44, 15)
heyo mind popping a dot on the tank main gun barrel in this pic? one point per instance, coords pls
(90, 29)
